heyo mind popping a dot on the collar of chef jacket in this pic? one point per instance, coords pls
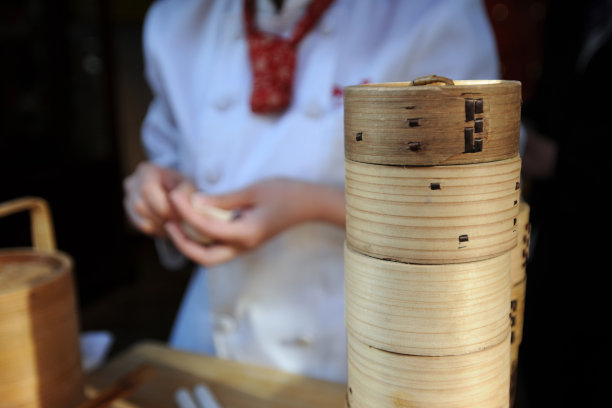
(281, 23)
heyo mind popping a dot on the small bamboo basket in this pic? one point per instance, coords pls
(40, 362)
(432, 121)
(378, 378)
(433, 215)
(428, 310)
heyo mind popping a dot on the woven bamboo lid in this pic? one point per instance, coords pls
(433, 310)
(378, 378)
(40, 362)
(433, 215)
(437, 121)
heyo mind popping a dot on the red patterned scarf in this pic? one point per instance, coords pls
(273, 58)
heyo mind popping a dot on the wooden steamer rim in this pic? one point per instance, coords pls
(377, 378)
(432, 121)
(433, 215)
(23, 270)
(40, 362)
(427, 310)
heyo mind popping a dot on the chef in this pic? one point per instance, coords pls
(247, 117)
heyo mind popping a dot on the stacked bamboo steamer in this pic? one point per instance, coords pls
(40, 364)
(518, 280)
(432, 200)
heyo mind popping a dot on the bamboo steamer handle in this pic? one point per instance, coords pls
(432, 79)
(43, 235)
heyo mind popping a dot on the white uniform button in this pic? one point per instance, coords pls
(326, 28)
(238, 32)
(225, 324)
(313, 110)
(298, 342)
(223, 103)
(212, 176)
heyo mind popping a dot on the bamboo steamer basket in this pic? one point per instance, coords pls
(518, 274)
(517, 314)
(40, 363)
(433, 215)
(377, 378)
(520, 254)
(432, 121)
(429, 310)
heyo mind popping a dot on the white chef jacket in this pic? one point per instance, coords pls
(282, 304)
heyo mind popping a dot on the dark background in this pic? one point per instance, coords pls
(72, 98)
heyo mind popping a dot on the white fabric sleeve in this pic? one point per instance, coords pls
(158, 131)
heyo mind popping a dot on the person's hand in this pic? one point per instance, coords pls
(261, 211)
(146, 197)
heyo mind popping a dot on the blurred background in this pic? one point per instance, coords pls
(72, 98)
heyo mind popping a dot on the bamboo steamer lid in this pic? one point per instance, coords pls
(430, 310)
(520, 253)
(433, 215)
(432, 121)
(377, 378)
(40, 362)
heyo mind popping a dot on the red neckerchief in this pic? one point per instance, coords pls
(273, 58)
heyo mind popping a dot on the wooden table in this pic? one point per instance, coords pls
(234, 384)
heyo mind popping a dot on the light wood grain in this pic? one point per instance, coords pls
(378, 378)
(421, 214)
(41, 224)
(517, 316)
(518, 278)
(383, 122)
(121, 388)
(519, 255)
(40, 362)
(235, 385)
(517, 312)
(433, 310)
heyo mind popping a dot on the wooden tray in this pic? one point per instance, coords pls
(472, 121)
(235, 385)
(430, 310)
(378, 378)
(433, 215)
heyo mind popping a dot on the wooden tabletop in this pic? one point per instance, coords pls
(234, 384)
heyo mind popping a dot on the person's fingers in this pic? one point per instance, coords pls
(154, 190)
(156, 201)
(147, 204)
(203, 255)
(142, 218)
(171, 178)
(240, 231)
(233, 201)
